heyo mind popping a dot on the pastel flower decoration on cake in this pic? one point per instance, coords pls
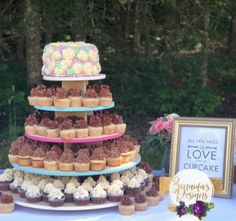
(83, 55)
(68, 53)
(77, 68)
(88, 68)
(93, 56)
(56, 55)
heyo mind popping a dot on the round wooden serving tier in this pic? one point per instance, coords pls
(76, 140)
(108, 170)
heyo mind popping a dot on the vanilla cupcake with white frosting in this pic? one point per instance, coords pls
(133, 187)
(114, 193)
(81, 196)
(33, 194)
(98, 195)
(56, 197)
(69, 191)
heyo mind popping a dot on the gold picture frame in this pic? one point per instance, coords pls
(197, 144)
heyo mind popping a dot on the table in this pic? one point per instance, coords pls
(225, 211)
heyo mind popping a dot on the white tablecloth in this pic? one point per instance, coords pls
(225, 211)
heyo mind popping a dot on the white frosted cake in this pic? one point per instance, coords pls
(70, 59)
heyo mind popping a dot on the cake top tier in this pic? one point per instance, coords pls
(70, 59)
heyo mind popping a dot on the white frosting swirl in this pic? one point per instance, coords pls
(81, 193)
(114, 190)
(55, 193)
(115, 176)
(33, 191)
(65, 179)
(42, 184)
(25, 185)
(48, 188)
(134, 183)
(70, 188)
(5, 177)
(98, 192)
(118, 183)
(91, 181)
(17, 182)
(58, 184)
(125, 179)
(87, 186)
(75, 181)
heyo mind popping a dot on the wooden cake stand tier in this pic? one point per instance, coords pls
(108, 170)
(76, 140)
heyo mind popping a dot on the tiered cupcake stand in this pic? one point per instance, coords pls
(79, 83)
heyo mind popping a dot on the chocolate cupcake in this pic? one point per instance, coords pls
(44, 96)
(126, 206)
(108, 126)
(14, 150)
(105, 96)
(66, 161)
(5, 180)
(75, 97)
(56, 198)
(141, 203)
(7, 204)
(52, 130)
(82, 162)
(114, 158)
(30, 124)
(114, 193)
(81, 196)
(66, 129)
(133, 187)
(69, 191)
(152, 197)
(120, 126)
(98, 195)
(81, 128)
(33, 97)
(33, 194)
(51, 160)
(37, 158)
(90, 98)
(24, 155)
(95, 126)
(61, 99)
(98, 161)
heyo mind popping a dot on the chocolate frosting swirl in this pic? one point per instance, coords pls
(140, 198)
(125, 200)
(61, 93)
(73, 92)
(91, 93)
(95, 121)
